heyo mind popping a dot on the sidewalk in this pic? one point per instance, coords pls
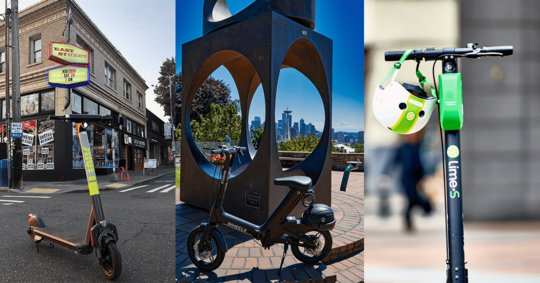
(136, 178)
(495, 251)
(246, 261)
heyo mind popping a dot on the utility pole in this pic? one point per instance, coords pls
(8, 105)
(69, 21)
(17, 156)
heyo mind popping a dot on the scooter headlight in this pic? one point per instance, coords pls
(308, 199)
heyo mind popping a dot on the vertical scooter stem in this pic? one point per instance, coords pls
(456, 272)
(90, 173)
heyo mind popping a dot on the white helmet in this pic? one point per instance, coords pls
(403, 108)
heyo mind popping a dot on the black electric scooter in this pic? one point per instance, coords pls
(100, 234)
(309, 237)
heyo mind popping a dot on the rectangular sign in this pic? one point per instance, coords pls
(46, 137)
(253, 199)
(16, 130)
(27, 139)
(68, 76)
(67, 54)
(150, 163)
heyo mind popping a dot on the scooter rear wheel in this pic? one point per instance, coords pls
(213, 254)
(323, 242)
(112, 262)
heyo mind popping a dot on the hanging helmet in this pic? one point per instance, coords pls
(403, 108)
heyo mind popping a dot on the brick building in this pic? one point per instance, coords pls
(116, 88)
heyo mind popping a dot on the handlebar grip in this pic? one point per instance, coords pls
(215, 151)
(504, 50)
(395, 55)
(242, 148)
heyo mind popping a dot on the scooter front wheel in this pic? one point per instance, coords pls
(112, 262)
(212, 254)
(323, 245)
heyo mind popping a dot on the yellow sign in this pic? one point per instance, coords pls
(68, 76)
(67, 54)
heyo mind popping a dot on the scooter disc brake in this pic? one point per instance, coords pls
(201, 256)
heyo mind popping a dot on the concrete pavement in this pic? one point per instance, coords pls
(495, 251)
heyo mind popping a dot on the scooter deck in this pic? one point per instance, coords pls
(53, 235)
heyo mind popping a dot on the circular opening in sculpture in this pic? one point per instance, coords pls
(216, 114)
(257, 117)
(300, 117)
(218, 108)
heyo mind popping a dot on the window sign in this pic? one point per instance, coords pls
(129, 126)
(27, 139)
(76, 103)
(30, 104)
(46, 137)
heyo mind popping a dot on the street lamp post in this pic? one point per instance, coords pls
(172, 117)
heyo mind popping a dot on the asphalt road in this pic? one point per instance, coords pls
(145, 223)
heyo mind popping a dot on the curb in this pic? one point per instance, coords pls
(338, 253)
(146, 181)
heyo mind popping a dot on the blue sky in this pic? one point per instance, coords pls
(342, 21)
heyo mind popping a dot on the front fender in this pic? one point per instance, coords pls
(215, 232)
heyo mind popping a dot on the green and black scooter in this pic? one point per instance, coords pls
(100, 234)
(451, 121)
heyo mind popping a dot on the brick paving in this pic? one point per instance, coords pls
(247, 261)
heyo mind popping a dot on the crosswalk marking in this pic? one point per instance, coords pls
(127, 190)
(157, 189)
(25, 197)
(9, 200)
(8, 203)
(168, 189)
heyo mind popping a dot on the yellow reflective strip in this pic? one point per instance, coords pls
(93, 187)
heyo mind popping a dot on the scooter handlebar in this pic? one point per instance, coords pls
(230, 150)
(471, 52)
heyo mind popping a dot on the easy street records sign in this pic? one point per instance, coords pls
(68, 76)
(67, 54)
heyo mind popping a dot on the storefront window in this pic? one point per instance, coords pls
(110, 147)
(30, 104)
(90, 107)
(99, 147)
(104, 111)
(47, 101)
(45, 149)
(78, 162)
(76, 103)
(4, 109)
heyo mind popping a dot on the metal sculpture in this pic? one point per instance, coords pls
(254, 45)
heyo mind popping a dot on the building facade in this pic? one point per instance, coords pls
(116, 89)
(158, 146)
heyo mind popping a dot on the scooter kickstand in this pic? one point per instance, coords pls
(37, 246)
(283, 258)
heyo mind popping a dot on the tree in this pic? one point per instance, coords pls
(218, 123)
(257, 136)
(211, 91)
(358, 147)
(301, 143)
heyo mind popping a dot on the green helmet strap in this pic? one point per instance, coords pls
(421, 77)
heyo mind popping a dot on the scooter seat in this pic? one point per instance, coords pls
(302, 183)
